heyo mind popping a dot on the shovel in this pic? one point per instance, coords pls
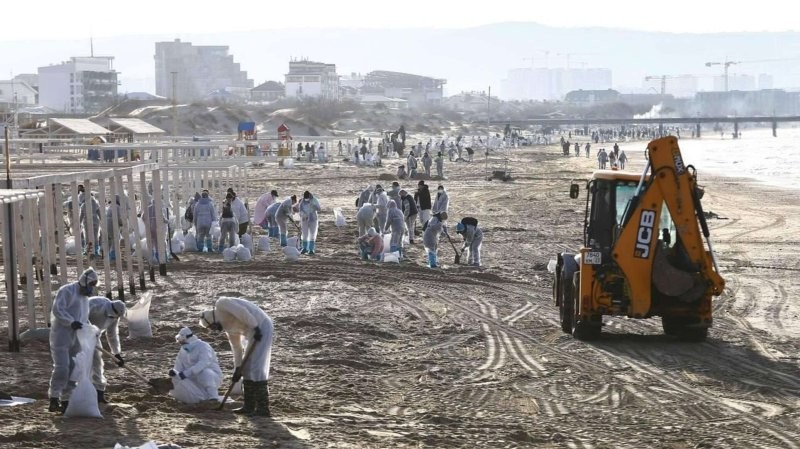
(295, 224)
(250, 347)
(152, 382)
(458, 255)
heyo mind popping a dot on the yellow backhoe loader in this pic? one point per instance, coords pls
(644, 253)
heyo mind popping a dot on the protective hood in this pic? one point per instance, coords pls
(184, 335)
(116, 309)
(208, 319)
(88, 277)
(392, 204)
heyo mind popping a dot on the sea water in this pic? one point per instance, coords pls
(757, 155)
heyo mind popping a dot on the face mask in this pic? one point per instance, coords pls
(88, 290)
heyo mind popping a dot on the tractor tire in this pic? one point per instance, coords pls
(683, 329)
(582, 329)
(566, 306)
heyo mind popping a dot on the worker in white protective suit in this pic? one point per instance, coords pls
(366, 217)
(282, 216)
(70, 312)
(309, 209)
(196, 375)
(249, 331)
(264, 201)
(105, 314)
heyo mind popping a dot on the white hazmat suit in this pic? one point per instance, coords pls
(196, 375)
(70, 312)
(105, 314)
(249, 331)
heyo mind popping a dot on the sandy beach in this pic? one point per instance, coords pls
(381, 355)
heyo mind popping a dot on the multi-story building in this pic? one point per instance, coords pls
(415, 89)
(268, 91)
(82, 85)
(16, 92)
(308, 79)
(735, 81)
(553, 84)
(197, 71)
(764, 102)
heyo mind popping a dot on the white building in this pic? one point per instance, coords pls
(198, 72)
(81, 85)
(312, 79)
(16, 92)
(765, 81)
(736, 81)
(553, 84)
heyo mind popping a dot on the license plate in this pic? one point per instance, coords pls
(592, 258)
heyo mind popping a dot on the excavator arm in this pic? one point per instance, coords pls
(673, 185)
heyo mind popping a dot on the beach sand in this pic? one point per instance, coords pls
(384, 355)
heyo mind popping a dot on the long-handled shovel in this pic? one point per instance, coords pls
(295, 224)
(458, 255)
(250, 346)
(131, 370)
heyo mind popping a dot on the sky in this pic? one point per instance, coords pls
(57, 19)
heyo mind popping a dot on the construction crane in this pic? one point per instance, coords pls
(726, 64)
(663, 79)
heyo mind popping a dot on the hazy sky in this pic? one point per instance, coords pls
(58, 19)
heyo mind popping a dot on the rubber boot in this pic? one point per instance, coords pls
(101, 397)
(199, 245)
(209, 244)
(64, 405)
(312, 245)
(284, 241)
(55, 405)
(112, 256)
(432, 259)
(305, 247)
(261, 399)
(249, 398)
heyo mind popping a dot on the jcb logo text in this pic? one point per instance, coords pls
(645, 234)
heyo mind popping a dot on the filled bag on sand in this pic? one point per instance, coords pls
(293, 242)
(177, 235)
(229, 254)
(69, 246)
(177, 245)
(392, 257)
(291, 253)
(142, 245)
(387, 239)
(247, 242)
(243, 253)
(189, 243)
(338, 217)
(83, 401)
(186, 391)
(216, 233)
(263, 244)
(138, 318)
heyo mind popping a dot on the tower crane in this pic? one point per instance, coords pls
(726, 64)
(663, 79)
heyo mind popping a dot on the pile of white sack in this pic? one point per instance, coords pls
(237, 253)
